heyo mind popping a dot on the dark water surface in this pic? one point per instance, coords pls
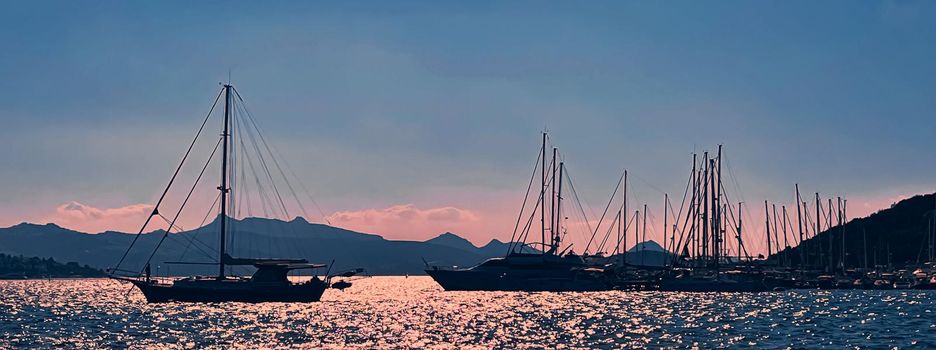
(398, 312)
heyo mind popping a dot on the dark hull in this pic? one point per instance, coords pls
(233, 292)
(519, 281)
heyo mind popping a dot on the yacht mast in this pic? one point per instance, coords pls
(558, 228)
(552, 202)
(543, 198)
(224, 170)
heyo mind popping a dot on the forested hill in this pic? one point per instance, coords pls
(34, 267)
(900, 230)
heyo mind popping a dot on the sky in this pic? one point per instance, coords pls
(409, 119)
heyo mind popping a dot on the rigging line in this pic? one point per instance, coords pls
(539, 200)
(682, 205)
(171, 180)
(201, 225)
(737, 185)
(623, 234)
(179, 229)
(632, 219)
(526, 197)
(608, 234)
(578, 203)
(692, 214)
(267, 204)
(274, 153)
(184, 202)
(613, 194)
(529, 223)
(648, 183)
(269, 174)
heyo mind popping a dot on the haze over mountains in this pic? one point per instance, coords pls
(898, 230)
(252, 237)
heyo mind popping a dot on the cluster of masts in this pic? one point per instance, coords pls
(707, 233)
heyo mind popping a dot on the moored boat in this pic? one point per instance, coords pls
(269, 282)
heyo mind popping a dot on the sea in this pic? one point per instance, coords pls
(415, 313)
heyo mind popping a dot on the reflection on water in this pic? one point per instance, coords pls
(413, 312)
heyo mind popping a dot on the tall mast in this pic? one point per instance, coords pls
(799, 222)
(767, 218)
(831, 242)
(624, 235)
(818, 228)
(705, 208)
(637, 231)
(558, 226)
(643, 247)
(740, 244)
(543, 198)
(841, 221)
(224, 174)
(665, 223)
(776, 233)
(786, 242)
(713, 225)
(718, 205)
(552, 201)
(693, 209)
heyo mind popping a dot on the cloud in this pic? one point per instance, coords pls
(406, 221)
(90, 219)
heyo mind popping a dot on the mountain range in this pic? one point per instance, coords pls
(251, 238)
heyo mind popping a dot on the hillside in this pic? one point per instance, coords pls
(900, 230)
(251, 237)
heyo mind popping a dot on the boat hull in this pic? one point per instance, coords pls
(223, 291)
(516, 281)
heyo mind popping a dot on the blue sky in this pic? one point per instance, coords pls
(439, 104)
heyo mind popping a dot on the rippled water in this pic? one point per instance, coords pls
(398, 312)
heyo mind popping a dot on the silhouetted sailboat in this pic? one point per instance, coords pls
(523, 269)
(267, 284)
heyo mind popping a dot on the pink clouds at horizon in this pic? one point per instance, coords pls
(85, 218)
(409, 222)
(479, 222)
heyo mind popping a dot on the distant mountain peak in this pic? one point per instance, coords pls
(299, 219)
(494, 242)
(647, 246)
(451, 240)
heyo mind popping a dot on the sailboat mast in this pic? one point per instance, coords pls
(718, 205)
(643, 246)
(767, 219)
(558, 227)
(831, 242)
(705, 209)
(623, 250)
(224, 178)
(799, 222)
(818, 228)
(553, 222)
(786, 241)
(543, 198)
(841, 221)
(713, 224)
(665, 224)
(740, 242)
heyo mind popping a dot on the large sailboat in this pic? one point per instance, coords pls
(525, 269)
(270, 280)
